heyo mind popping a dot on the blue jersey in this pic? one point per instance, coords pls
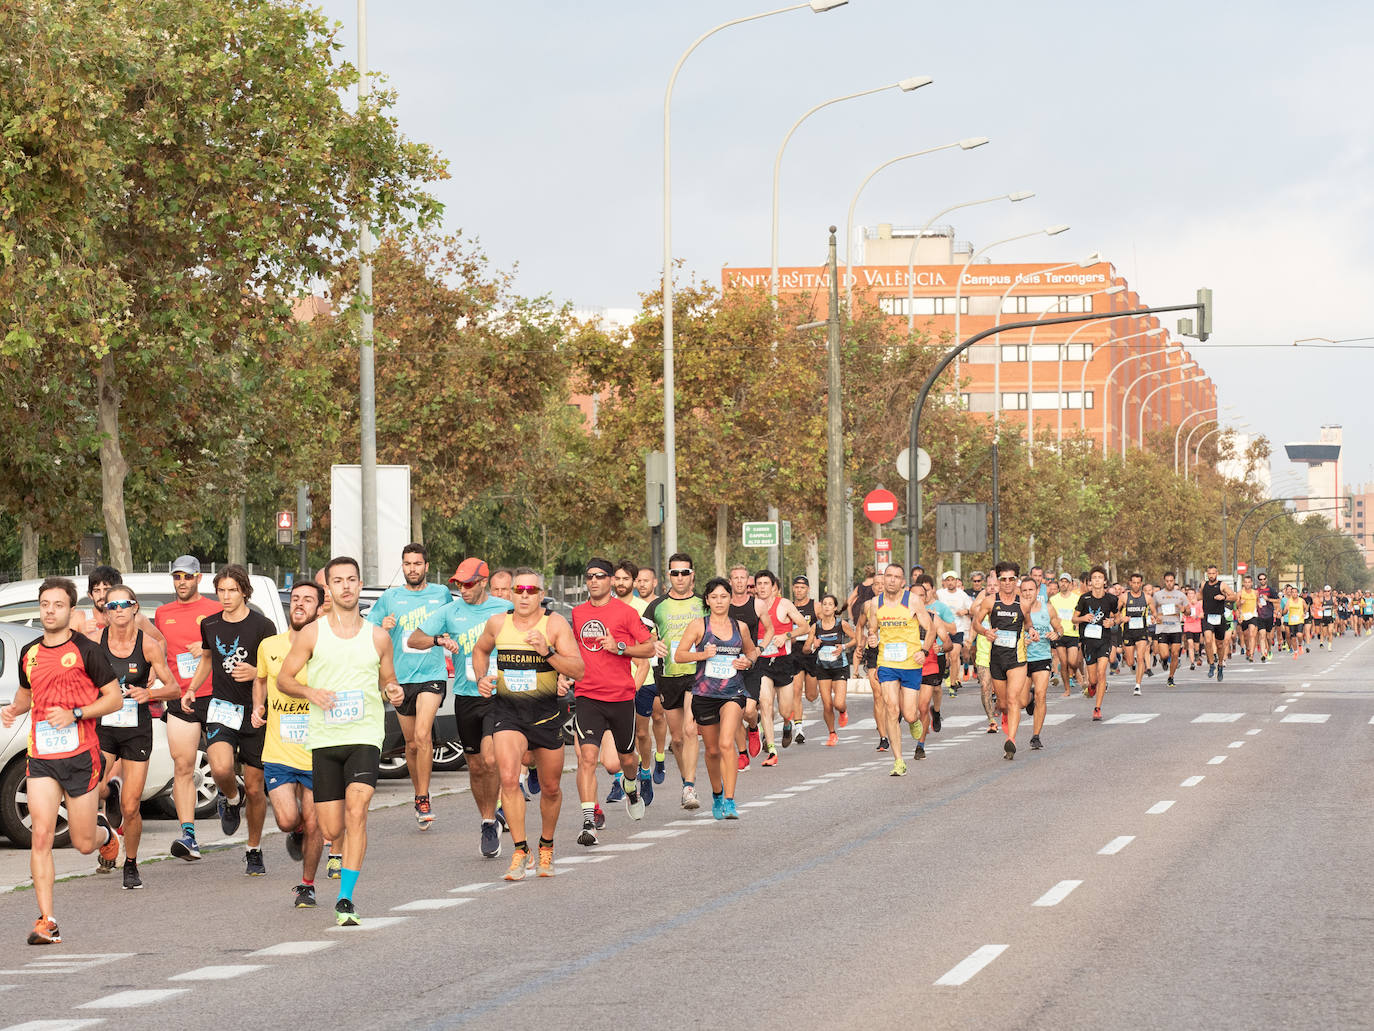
(411, 609)
(464, 624)
(1037, 651)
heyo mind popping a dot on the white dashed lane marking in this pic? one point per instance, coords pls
(1219, 717)
(68, 964)
(217, 973)
(1280, 708)
(1306, 717)
(132, 998)
(1133, 717)
(1252, 733)
(1114, 846)
(1216, 760)
(294, 948)
(1236, 744)
(1057, 894)
(659, 833)
(479, 886)
(575, 860)
(423, 905)
(755, 805)
(1160, 807)
(980, 958)
(375, 923)
(625, 846)
(55, 1025)
(1191, 782)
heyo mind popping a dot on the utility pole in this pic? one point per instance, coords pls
(835, 581)
(367, 376)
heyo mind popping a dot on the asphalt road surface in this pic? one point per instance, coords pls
(1200, 858)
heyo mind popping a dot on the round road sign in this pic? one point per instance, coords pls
(880, 506)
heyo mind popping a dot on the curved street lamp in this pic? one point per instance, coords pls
(1083, 379)
(1125, 394)
(1179, 432)
(1030, 369)
(1140, 427)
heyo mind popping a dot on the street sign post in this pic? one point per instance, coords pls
(786, 532)
(760, 535)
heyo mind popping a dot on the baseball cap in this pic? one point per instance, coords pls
(1065, 576)
(468, 570)
(801, 580)
(949, 574)
(186, 564)
(1327, 587)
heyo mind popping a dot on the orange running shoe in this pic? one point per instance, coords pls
(545, 860)
(832, 740)
(844, 720)
(44, 932)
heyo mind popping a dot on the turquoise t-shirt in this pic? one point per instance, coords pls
(944, 612)
(464, 623)
(411, 609)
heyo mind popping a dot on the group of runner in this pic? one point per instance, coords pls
(631, 675)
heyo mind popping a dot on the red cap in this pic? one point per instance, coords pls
(468, 570)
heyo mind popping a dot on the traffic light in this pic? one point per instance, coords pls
(1204, 315)
(304, 510)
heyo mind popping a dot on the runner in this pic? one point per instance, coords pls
(982, 659)
(1192, 627)
(285, 750)
(1043, 628)
(865, 656)
(423, 674)
(1136, 606)
(829, 640)
(651, 725)
(1215, 627)
(537, 659)
(747, 740)
(500, 585)
(721, 647)
(610, 635)
(959, 605)
(779, 622)
(126, 735)
(98, 584)
(455, 628)
(1294, 616)
(1006, 614)
(1247, 612)
(924, 717)
(807, 673)
(1168, 606)
(179, 623)
(1096, 614)
(1066, 644)
(898, 624)
(668, 616)
(65, 679)
(230, 640)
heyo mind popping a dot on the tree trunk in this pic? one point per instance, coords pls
(813, 568)
(237, 549)
(722, 538)
(417, 521)
(28, 551)
(113, 468)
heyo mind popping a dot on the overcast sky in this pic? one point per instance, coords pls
(1221, 144)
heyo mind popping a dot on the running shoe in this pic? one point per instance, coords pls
(108, 854)
(920, 750)
(1009, 749)
(743, 761)
(1030, 706)
(1211, 670)
(844, 720)
(1097, 715)
(689, 792)
(917, 728)
(616, 793)
(1054, 680)
(45, 932)
(898, 767)
(755, 743)
(532, 781)
(253, 860)
(229, 815)
(883, 744)
(501, 819)
(1090, 692)
(731, 813)
(1136, 692)
(295, 845)
(345, 914)
(801, 737)
(1035, 742)
(305, 896)
(1170, 683)
(334, 867)
(113, 810)
(185, 847)
(588, 835)
(953, 691)
(599, 818)
(491, 840)
(935, 722)
(1150, 672)
(131, 878)
(661, 771)
(717, 807)
(832, 740)
(635, 808)
(545, 860)
(786, 733)
(1005, 731)
(646, 788)
(771, 760)
(992, 727)
(520, 861)
(424, 812)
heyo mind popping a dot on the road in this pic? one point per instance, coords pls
(1199, 858)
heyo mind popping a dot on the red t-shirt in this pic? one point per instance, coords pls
(609, 677)
(68, 675)
(179, 623)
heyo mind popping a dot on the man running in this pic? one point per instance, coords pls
(960, 605)
(1215, 597)
(230, 641)
(1066, 644)
(536, 659)
(1247, 615)
(779, 622)
(651, 726)
(351, 675)
(806, 680)
(1006, 615)
(286, 767)
(898, 625)
(455, 628)
(668, 616)
(1168, 605)
(924, 716)
(1095, 615)
(610, 635)
(67, 681)
(423, 675)
(1135, 639)
(179, 623)
(98, 584)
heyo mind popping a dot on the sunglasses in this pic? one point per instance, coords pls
(467, 585)
(679, 572)
(598, 576)
(1007, 579)
(122, 603)
(526, 589)
(184, 576)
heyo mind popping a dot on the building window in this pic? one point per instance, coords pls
(982, 354)
(978, 402)
(921, 305)
(1045, 352)
(1036, 304)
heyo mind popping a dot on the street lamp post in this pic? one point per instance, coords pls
(909, 85)
(1178, 433)
(1083, 379)
(1197, 451)
(367, 367)
(1030, 372)
(669, 403)
(1125, 395)
(1188, 443)
(1140, 429)
(968, 144)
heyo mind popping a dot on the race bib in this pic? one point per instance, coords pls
(1214, 619)
(226, 714)
(1093, 630)
(1326, 613)
(894, 651)
(721, 667)
(830, 653)
(1168, 610)
(519, 681)
(672, 653)
(1005, 639)
(292, 727)
(1135, 623)
(468, 670)
(408, 650)
(126, 716)
(50, 740)
(186, 665)
(347, 707)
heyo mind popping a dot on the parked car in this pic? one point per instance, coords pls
(19, 608)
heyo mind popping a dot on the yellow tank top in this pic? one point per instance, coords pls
(899, 635)
(1248, 602)
(1063, 607)
(521, 672)
(1295, 613)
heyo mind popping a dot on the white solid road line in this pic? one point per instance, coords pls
(132, 998)
(1057, 894)
(303, 948)
(217, 973)
(980, 958)
(1306, 717)
(1160, 807)
(1191, 782)
(1114, 846)
(55, 1025)
(1216, 760)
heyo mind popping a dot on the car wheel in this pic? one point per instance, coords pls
(14, 808)
(448, 757)
(393, 767)
(204, 785)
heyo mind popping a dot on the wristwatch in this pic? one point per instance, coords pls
(76, 713)
(620, 647)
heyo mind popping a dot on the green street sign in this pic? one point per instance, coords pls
(761, 535)
(786, 532)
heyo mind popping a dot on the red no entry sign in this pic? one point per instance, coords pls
(880, 506)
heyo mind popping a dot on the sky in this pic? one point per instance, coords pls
(1223, 144)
